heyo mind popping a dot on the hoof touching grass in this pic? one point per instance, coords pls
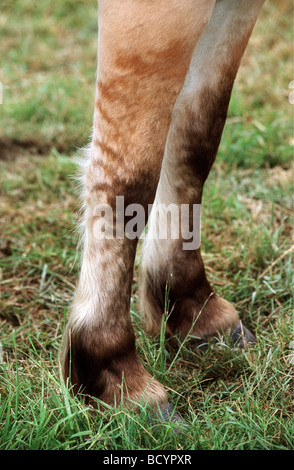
(231, 399)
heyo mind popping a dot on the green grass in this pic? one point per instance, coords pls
(231, 399)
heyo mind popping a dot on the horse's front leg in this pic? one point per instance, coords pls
(144, 53)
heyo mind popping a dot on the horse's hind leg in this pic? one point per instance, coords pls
(194, 136)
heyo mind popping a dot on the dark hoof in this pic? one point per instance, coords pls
(241, 336)
(168, 415)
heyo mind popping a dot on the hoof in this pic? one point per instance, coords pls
(169, 415)
(241, 336)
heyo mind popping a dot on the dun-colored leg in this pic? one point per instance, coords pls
(194, 136)
(144, 52)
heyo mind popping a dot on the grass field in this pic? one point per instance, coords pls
(231, 400)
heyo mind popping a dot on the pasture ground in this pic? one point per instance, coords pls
(231, 399)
